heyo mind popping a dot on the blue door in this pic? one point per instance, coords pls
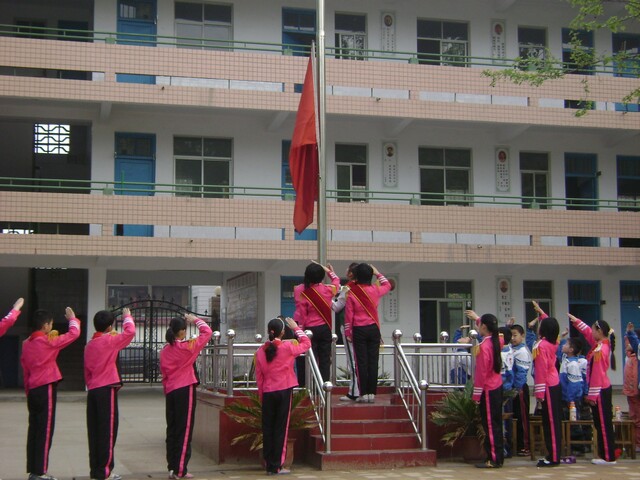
(137, 26)
(584, 302)
(134, 164)
(287, 303)
(629, 304)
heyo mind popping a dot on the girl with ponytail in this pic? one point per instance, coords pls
(547, 389)
(276, 379)
(487, 387)
(602, 340)
(177, 364)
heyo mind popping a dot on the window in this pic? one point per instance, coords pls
(136, 9)
(203, 166)
(351, 36)
(542, 292)
(581, 40)
(532, 43)
(351, 173)
(629, 191)
(203, 24)
(534, 179)
(442, 305)
(52, 138)
(444, 175)
(31, 28)
(626, 50)
(443, 43)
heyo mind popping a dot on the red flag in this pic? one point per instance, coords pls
(303, 156)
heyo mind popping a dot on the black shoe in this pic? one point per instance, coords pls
(543, 462)
(524, 453)
(488, 464)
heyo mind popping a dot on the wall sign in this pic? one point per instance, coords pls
(498, 41)
(504, 299)
(503, 179)
(389, 164)
(388, 33)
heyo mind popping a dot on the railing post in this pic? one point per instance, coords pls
(215, 370)
(423, 413)
(231, 334)
(327, 387)
(474, 343)
(444, 338)
(417, 338)
(397, 336)
(307, 365)
(334, 342)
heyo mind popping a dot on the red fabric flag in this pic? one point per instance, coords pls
(303, 156)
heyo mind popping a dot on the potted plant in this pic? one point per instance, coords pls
(460, 415)
(247, 411)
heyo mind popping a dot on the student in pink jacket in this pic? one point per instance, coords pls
(362, 327)
(103, 382)
(7, 322)
(276, 379)
(547, 389)
(177, 364)
(41, 376)
(602, 341)
(487, 387)
(314, 311)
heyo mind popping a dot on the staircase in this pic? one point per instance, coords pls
(375, 435)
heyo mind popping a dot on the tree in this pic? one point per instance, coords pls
(591, 16)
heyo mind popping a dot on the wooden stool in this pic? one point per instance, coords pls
(508, 416)
(536, 437)
(568, 443)
(625, 434)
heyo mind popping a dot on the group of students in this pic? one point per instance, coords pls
(42, 375)
(562, 376)
(315, 303)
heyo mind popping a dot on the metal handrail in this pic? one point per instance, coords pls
(320, 395)
(109, 187)
(412, 393)
(142, 39)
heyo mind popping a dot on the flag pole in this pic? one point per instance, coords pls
(322, 194)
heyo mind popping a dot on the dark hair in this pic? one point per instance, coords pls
(506, 334)
(313, 274)
(352, 268)
(491, 322)
(40, 318)
(288, 333)
(549, 329)
(103, 320)
(604, 327)
(518, 328)
(363, 273)
(274, 329)
(176, 324)
(575, 344)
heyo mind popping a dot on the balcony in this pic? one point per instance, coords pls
(256, 229)
(250, 81)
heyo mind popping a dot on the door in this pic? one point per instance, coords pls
(581, 189)
(134, 174)
(584, 303)
(298, 30)
(137, 26)
(629, 304)
(287, 303)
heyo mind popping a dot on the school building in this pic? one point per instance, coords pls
(144, 155)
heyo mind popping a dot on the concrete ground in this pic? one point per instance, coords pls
(140, 449)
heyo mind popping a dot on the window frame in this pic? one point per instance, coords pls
(535, 173)
(448, 196)
(352, 195)
(199, 190)
(454, 61)
(352, 52)
(541, 48)
(212, 44)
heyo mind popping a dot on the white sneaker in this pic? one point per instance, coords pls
(602, 461)
(363, 399)
(371, 398)
(346, 398)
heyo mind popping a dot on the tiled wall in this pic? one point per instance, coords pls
(266, 82)
(407, 233)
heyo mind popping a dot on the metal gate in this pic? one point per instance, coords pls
(140, 361)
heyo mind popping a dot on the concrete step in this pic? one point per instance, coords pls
(376, 459)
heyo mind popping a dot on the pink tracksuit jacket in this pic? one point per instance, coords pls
(545, 372)
(101, 353)
(279, 374)
(355, 315)
(486, 379)
(599, 359)
(306, 314)
(40, 353)
(7, 322)
(176, 361)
